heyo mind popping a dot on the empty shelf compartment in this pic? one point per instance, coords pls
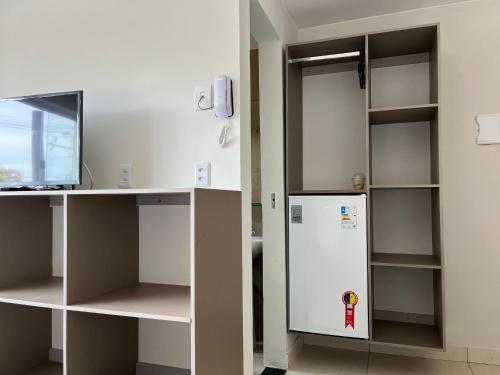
(406, 114)
(31, 255)
(104, 344)
(130, 255)
(405, 153)
(404, 67)
(406, 222)
(403, 42)
(407, 306)
(154, 301)
(407, 334)
(33, 338)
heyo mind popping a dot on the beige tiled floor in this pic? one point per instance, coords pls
(479, 369)
(383, 364)
(316, 360)
(324, 361)
(258, 363)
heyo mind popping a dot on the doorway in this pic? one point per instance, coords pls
(257, 226)
(269, 194)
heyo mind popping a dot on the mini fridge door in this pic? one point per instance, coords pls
(328, 265)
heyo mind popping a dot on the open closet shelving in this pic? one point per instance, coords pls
(121, 282)
(390, 132)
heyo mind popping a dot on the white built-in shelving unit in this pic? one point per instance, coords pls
(390, 132)
(121, 282)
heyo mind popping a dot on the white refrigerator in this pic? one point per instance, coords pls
(328, 265)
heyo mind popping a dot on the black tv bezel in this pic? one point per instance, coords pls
(79, 94)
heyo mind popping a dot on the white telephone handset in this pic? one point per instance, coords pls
(223, 97)
(223, 104)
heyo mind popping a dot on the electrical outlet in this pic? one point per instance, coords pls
(203, 98)
(125, 176)
(203, 174)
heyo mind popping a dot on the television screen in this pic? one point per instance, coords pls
(40, 140)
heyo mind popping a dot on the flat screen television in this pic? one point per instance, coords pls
(41, 141)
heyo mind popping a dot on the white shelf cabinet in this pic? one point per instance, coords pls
(145, 282)
(390, 132)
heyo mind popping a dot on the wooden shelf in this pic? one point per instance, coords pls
(326, 192)
(50, 368)
(45, 293)
(395, 115)
(413, 186)
(406, 334)
(149, 301)
(405, 260)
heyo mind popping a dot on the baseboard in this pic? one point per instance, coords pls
(456, 354)
(56, 355)
(149, 369)
(483, 355)
(295, 349)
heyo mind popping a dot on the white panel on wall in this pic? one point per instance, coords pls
(404, 290)
(401, 154)
(57, 329)
(165, 343)
(334, 123)
(400, 85)
(164, 244)
(57, 241)
(402, 221)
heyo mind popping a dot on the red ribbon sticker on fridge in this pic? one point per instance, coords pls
(350, 300)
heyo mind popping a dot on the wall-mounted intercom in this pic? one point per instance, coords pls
(222, 93)
(223, 97)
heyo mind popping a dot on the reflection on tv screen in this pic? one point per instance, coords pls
(40, 141)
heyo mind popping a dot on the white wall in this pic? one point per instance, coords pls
(281, 22)
(137, 62)
(469, 175)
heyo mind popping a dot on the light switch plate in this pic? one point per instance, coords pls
(203, 174)
(125, 176)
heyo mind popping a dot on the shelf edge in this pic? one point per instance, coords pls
(92, 310)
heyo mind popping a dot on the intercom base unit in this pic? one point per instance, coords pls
(223, 97)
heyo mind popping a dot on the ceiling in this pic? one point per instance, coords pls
(310, 13)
